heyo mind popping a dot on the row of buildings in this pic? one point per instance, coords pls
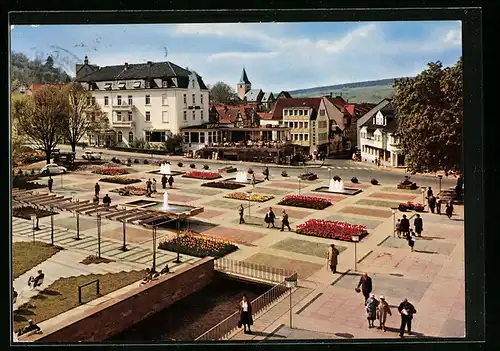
(156, 99)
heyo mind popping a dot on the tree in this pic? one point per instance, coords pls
(43, 117)
(221, 93)
(173, 141)
(50, 62)
(429, 111)
(84, 114)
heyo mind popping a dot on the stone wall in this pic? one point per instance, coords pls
(111, 317)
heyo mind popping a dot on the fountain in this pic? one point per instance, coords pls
(165, 168)
(165, 201)
(336, 186)
(241, 177)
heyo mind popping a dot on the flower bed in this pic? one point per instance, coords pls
(190, 243)
(130, 191)
(284, 174)
(120, 180)
(411, 206)
(201, 175)
(111, 171)
(223, 185)
(254, 197)
(317, 203)
(331, 229)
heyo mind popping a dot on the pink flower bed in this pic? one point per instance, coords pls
(111, 171)
(331, 229)
(317, 203)
(201, 175)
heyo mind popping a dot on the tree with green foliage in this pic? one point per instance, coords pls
(429, 111)
(43, 118)
(173, 141)
(221, 93)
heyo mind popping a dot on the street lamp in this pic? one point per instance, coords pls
(124, 247)
(329, 173)
(355, 239)
(33, 217)
(154, 248)
(249, 193)
(291, 282)
(423, 196)
(394, 222)
(299, 183)
(440, 178)
(98, 235)
(52, 225)
(77, 219)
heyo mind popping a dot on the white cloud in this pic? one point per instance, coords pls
(241, 55)
(35, 25)
(453, 37)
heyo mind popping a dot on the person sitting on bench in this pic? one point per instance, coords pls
(148, 277)
(38, 280)
(165, 270)
(30, 327)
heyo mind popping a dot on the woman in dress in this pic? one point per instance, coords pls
(246, 314)
(371, 310)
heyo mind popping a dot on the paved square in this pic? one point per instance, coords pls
(305, 247)
(230, 205)
(272, 191)
(133, 234)
(332, 197)
(453, 328)
(207, 214)
(390, 196)
(304, 269)
(201, 191)
(421, 245)
(70, 223)
(368, 223)
(293, 186)
(292, 213)
(173, 197)
(235, 235)
(390, 286)
(378, 203)
(367, 211)
(442, 219)
(396, 190)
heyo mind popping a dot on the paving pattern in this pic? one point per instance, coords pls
(366, 212)
(378, 203)
(391, 196)
(311, 248)
(304, 269)
(368, 223)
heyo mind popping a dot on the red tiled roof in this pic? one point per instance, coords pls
(265, 115)
(350, 108)
(277, 111)
(228, 114)
(337, 101)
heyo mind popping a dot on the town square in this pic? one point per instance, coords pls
(151, 204)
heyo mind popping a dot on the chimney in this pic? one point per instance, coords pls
(126, 65)
(150, 63)
(86, 61)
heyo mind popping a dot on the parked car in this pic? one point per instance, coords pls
(92, 155)
(53, 169)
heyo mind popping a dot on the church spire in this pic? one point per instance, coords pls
(244, 78)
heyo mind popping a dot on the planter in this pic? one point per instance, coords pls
(331, 229)
(206, 167)
(223, 185)
(180, 164)
(192, 165)
(196, 245)
(354, 180)
(145, 162)
(136, 161)
(313, 202)
(253, 198)
(310, 176)
(111, 171)
(374, 181)
(130, 191)
(337, 178)
(284, 174)
(250, 171)
(120, 180)
(403, 207)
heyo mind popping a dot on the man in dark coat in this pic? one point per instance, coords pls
(266, 173)
(50, 183)
(170, 181)
(429, 192)
(284, 221)
(407, 310)
(97, 188)
(270, 216)
(405, 226)
(418, 223)
(366, 286)
(432, 203)
(106, 200)
(240, 212)
(164, 181)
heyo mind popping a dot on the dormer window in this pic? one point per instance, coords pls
(107, 86)
(121, 85)
(137, 84)
(147, 84)
(164, 84)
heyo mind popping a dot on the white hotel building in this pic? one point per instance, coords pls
(145, 100)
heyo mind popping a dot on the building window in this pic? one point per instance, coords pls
(119, 99)
(194, 115)
(185, 115)
(306, 137)
(148, 99)
(118, 116)
(295, 112)
(120, 137)
(162, 136)
(130, 137)
(296, 124)
(164, 116)
(201, 99)
(306, 125)
(301, 137)
(209, 137)
(137, 84)
(148, 116)
(306, 112)
(121, 85)
(148, 136)
(130, 101)
(106, 115)
(321, 112)
(106, 101)
(201, 114)
(185, 99)
(301, 112)
(164, 84)
(194, 99)
(296, 137)
(301, 125)
(129, 115)
(88, 100)
(164, 99)
(186, 137)
(93, 100)
(285, 112)
(202, 137)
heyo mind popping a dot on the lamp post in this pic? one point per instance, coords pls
(291, 282)
(124, 247)
(33, 217)
(99, 235)
(154, 248)
(440, 178)
(52, 225)
(423, 196)
(394, 222)
(355, 239)
(77, 219)
(249, 193)
(299, 183)
(178, 259)
(62, 179)
(73, 200)
(329, 173)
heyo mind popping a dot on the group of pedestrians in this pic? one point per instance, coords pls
(435, 204)
(269, 218)
(404, 230)
(165, 180)
(380, 308)
(106, 200)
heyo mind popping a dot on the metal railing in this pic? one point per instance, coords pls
(84, 285)
(247, 269)
(259, 305)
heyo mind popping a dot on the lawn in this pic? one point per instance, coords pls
(26, 255)
(62, 295)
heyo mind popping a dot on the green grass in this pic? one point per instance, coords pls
(373, 94)
(26, 255)
(62, 295)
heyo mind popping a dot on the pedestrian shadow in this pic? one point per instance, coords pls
(267, 335)
(430, 237)
(50, 292)
(457, 219)
(427, 252)
(344, 335)
(396, 330)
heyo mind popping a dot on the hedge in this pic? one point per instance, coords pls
(141, 151)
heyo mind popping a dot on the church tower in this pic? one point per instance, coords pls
(244, 85)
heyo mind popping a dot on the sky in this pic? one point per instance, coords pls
(276, 56)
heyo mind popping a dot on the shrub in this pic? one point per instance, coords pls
(337, 178)
(206, 167)
(374, 181)
(193, 244)
(192, 165)
(331, 229)
(130, 190)
(403, 207)
(180, 164)
(354, 180)
(316, 203)
(136, 161)
(145, 161)
(129, 160)
(111, 171)
(120, 180)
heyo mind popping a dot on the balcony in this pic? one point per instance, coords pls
(123, 123)
(371, 142)
(301, 142)
(122, 107)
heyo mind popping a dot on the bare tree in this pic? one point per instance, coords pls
(85, 115)
(43, 117)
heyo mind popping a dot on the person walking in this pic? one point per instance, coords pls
(266, 173)
(411, 239)
(429, 192)
(366, 286)
(50, 183)
(371, 310)
(171, 181)
(407, 310)
(405, 226)
(439, 203)
(449, 209)
(97, 189)
(432, 203)
(252, 180)
(284, 221)
(106, 200)
(419, 225)
(332, 259)
(164, 181)
(383, 310)
(397, 231)
(270, 216)
(240, 212)
(245, 314)
(153, 186)
(149, 184)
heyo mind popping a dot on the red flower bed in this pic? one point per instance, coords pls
(111, 171)
(412, 206)
(201, 175)
(331, 229)
(317, 203)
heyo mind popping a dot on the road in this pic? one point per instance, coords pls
(346, 169)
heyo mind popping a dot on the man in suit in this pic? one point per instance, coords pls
(366, 286)
(407, 310)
